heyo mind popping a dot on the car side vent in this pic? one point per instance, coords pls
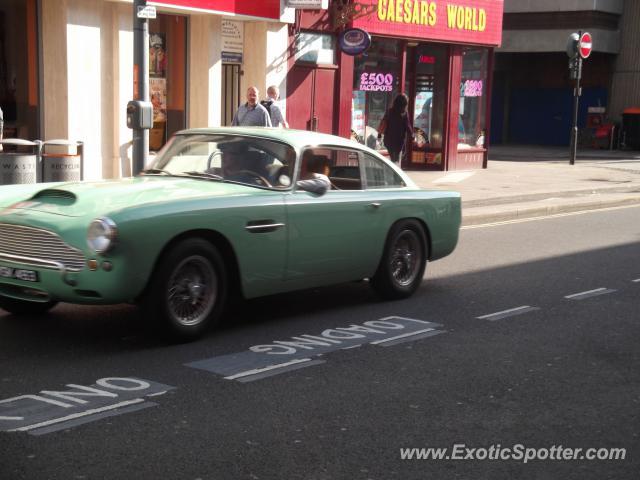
(55, 196)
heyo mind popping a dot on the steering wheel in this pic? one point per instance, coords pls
(262, 179)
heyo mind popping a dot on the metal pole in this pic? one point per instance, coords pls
(576, 103)
(140, 144)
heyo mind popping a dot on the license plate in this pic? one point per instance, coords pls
(19, 274)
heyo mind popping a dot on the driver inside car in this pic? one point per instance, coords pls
(243, 165)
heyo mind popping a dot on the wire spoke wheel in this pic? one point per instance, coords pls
(192, 290)
(404, 259)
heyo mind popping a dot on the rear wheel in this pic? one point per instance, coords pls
(403, 261)
(25, 307)
(188, 291)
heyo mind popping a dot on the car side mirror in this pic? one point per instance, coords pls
(312, 186)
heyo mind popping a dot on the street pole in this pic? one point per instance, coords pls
(576, 104)
(140, 144)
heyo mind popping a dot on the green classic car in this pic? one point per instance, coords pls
(221, 211)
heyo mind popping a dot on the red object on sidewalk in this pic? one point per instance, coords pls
(604, 131)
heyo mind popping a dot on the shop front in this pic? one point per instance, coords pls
(439, 54)
(66, 69)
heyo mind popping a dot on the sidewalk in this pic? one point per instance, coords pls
(533, 181)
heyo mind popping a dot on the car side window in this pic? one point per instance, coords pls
(341, 166)
(380, 175)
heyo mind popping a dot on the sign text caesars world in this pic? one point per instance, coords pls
(422, 12)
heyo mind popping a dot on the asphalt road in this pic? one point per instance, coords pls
(507, 360)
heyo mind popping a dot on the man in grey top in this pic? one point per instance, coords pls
(251, 114)
(273, 108)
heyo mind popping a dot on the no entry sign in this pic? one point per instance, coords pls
(585, 45)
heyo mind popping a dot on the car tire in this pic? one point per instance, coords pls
(403, 261)
(25, 307)
(188, 290)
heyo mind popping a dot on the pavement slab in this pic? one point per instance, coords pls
(527, 181)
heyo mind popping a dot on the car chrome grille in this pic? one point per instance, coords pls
(38, 247)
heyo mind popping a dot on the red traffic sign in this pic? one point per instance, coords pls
(585, 45)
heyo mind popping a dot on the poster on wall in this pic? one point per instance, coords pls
(158, 94)
(232, 41)
(157, 55)
(357, 116)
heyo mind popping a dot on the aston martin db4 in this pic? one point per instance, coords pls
(222, 211)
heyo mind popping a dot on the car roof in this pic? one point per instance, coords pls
(296, 138)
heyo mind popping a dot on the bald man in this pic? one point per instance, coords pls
(251, 114)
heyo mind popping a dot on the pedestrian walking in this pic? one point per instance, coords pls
(395, 127)
(251, 114)
(272, 106)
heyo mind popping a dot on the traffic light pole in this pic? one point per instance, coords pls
(140, 144)
(576, 103)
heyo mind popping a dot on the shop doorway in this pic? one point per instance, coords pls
(167, 77)
(230, 91)
(311, 97)
(19, 88)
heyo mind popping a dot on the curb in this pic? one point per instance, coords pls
(520, 212)
(530, 197)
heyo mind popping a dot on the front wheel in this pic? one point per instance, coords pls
(403, 261)
(25, 307)
(188, 290)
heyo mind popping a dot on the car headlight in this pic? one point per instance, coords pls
(102, 234)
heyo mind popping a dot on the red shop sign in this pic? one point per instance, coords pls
(476, 22)
(262, 8)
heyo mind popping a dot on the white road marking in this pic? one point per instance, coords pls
(588, 292)
(636, 280)
(156, 394)
(454, 177)
(544, 217)
(377, 342)
(505, 312)
(266, 369)
(11, 418)
(77, 415)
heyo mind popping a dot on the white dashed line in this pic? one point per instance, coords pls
(378, 342)
(11, 418)
(589, 293)
(508, 313)
(266, 369)
(637, 280)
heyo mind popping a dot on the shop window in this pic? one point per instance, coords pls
(167, 77)
(473, 98)
(19, 98)
(376, 82)
(317, 48)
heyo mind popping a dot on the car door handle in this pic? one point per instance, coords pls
(375, 205)
(263, 226)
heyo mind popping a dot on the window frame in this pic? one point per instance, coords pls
(363, 180)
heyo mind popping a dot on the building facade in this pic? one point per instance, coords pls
(66, 69)
(532, 93)
(437, 52)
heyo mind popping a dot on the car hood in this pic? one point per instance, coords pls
(87, 198)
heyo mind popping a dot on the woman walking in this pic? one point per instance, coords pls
(395, 126)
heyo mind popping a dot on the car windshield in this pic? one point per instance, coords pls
(248, 160)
